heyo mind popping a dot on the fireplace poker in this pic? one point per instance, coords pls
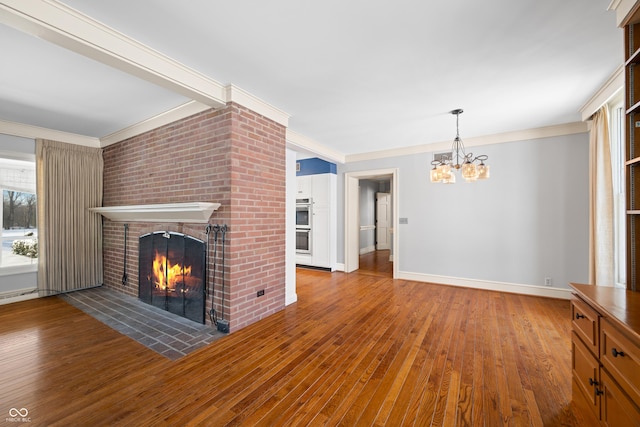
(216, 230)
(124, 274)
(223, 325)
(205, 290)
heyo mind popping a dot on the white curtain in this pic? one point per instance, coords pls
(69, 180)
(601, 239)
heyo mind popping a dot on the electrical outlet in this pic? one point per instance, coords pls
(547, 281)
(261, 292)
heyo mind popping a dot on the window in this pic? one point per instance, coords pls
(18, 235)
(616, 130)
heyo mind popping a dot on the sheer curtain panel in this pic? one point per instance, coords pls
(69, 181)
(601, 248)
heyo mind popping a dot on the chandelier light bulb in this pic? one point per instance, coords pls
(436, 175)
(483, 171)
(450, 179)
(469, 171)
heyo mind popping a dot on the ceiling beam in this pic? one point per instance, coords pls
(66, 27)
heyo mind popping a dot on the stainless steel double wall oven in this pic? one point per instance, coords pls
(304, 215)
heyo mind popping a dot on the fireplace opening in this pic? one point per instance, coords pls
(172, 273)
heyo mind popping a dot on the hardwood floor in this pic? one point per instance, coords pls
(376, 263)
(356, 349)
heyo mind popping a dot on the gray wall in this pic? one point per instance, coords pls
(19, 281)
(527, 222)
(16, 147)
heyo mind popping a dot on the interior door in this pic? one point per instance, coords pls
(383, 219)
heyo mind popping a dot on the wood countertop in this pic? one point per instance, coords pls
(620, 305)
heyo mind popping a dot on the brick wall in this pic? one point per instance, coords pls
(231, 156)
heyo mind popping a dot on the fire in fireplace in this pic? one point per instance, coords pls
(172, 273)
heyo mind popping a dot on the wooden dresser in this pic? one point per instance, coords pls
(605, 343)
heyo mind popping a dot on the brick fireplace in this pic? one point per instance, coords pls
(232, 156)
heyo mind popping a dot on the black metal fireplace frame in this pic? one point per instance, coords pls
(145, 287)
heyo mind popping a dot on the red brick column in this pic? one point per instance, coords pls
(231, 156)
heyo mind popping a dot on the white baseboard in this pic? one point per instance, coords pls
(18, 295)
(541, 291)
(514, 288)
(367, 250)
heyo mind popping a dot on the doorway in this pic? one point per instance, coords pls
(352, 230)
(376, 263)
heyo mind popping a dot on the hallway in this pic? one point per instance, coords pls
(376, 263)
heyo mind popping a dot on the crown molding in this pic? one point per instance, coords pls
(240, 96)
(33, 132)
(232, 94)
(59, 24)
(180, 112)
(610, 88)
(297, 141)
(623, 9)
(522, 135)
(68, 28)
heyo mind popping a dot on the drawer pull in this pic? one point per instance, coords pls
(592, 381)
(617, 353)
(599, 392)
(580, 316)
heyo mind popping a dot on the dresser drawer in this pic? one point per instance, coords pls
(585, 321)
(621, 357)
(586, 369)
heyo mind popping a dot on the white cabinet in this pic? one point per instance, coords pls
(321, 188)
(321, 239)
(303, 184)
(316, 187)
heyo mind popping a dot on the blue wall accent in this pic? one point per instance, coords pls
(315, 166)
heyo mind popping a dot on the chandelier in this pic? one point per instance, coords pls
(443, 167)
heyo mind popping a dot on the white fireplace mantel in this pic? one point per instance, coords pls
(195, 212)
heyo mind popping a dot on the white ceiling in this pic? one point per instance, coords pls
(355, 76)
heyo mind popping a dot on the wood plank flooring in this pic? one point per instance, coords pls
(356, 349)
(376, 263)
